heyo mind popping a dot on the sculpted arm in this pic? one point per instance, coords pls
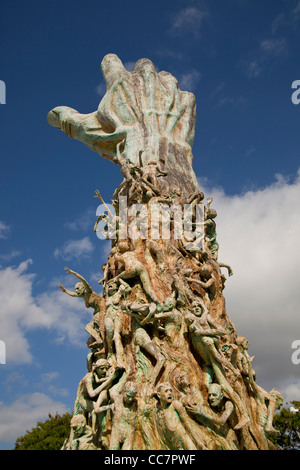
(214, 418)
(215, 325)
(124, 286)
(187, 423)
(207, 332)
(229, 408)
(69, 292)
(182, 414)
(164, 315)
(93, 393)
(205, 285)
(86, 284)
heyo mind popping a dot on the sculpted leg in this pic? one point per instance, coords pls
(143, 340)
(118, 344)
(109, 334)
(209, 342)
(240, 408)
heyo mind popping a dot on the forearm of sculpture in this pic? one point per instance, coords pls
(93, 393)
(104, 408)
(216, 326)
(186, 421)
(69, 292)
(86, 284)
(137, 316)
(226, 414)
(213, 418)
(163, 315)
(107, 383)
(96, 224)
(152, 309)
(125, 284)
(202, 284)
(208, 332)
(98, 195)
(92, 331)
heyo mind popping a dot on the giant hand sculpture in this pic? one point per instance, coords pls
(146, 110)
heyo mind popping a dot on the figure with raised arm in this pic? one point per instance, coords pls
(115, 292)
(133, 268)
(124, 411)
(92, 300)
(174, 423)
(222, 412)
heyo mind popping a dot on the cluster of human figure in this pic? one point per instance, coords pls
(166, 368)
(139, 390)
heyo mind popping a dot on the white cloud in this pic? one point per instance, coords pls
(47, 380)
(269, 51)
(189, 20)
(4, 229)
(9, 256)
(66, 314)
(287, 19)
(169, 53)
(274, 46)
(217, 90)
(84, 222)
(17, 310)
(129, 65)
(291, 391)
(22, 312)
(253, 68)
(296, 11)
(189, 80)
(222, 99)
(23, 414)
(101, 89)
(75, 249)
(279, 21)
(258, 233)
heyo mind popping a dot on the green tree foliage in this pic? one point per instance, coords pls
(288, 424)
(49, 435)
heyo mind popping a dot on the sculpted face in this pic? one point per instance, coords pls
(123, 247)
(80, 289)
(101, 367)
(183, 381)
(215, 395)
(211, 213)
(197, 310)
(112, 288)
(169, 304)
(243, 342)
(78, 424)
(130, 393)
(165, 394)
(206, 271)
(129, 396)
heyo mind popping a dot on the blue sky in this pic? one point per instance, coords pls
(240, 59)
